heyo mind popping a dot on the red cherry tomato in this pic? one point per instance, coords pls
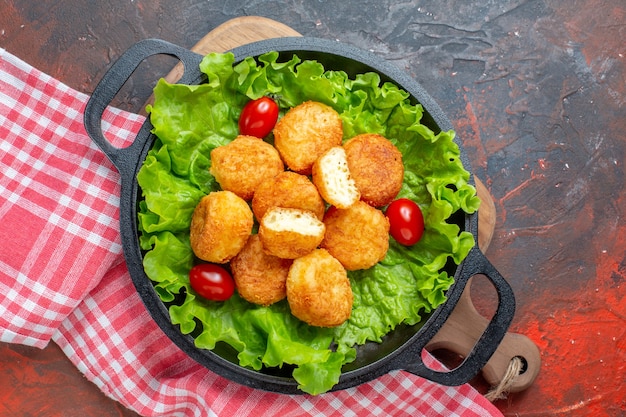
(406, 221)
(258, 117)
(211, 282)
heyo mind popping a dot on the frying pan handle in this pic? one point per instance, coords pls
(475, 263)
(112, 82)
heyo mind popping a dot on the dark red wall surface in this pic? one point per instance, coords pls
(535, 89)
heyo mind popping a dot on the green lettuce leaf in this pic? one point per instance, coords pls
(403, 288)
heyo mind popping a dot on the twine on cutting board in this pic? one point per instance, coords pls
(500, 391)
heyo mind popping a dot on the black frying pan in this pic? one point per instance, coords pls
(401, 348)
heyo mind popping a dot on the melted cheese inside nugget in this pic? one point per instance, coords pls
(305, 132)
(290, 233)
(243, 164)
(260, 278)
(289, 190)
(332, 178)
(318, 290)
(220, 226)
(376, 167)
(357, 236)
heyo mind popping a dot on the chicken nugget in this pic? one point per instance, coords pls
(357, 236)
(220, 226)
(305, 132)
(318, 290)
(290, 233)
(290, 190)
(243, 164)
(260, 278)
(376, 167)
(332, 178)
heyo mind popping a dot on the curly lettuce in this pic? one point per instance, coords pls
(410, 282)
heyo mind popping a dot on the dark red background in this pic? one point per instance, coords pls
(535, 89)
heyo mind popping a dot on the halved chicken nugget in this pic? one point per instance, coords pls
(290, 233)
(332, 178)
(260, 278)
(357, 236)
(376, 167)
(290, 190)
(305, 132)
(220, 226)
(318, 290)
(243, 164)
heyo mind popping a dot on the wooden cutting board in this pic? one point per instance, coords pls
(465, 325)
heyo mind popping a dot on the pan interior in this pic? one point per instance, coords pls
(371, 352)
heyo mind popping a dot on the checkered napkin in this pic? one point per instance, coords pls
(63, 276)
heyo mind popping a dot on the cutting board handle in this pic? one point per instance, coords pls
(464, 328)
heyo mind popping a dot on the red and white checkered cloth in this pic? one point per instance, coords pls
(63, 276)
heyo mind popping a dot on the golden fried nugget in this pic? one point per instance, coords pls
(318, 290)
(305, 132)
(290, 190)
(260, 278)
(332, 178)
(376, 167)
(357, 236)
(220, 226)
(243, 164)
(290, 233)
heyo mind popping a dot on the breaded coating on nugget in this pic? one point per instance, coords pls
(332, 178)
(305, 132)
(290, 190)
(357, 236)
(290, 233)
(243, 164)
(376, 167)
(220, 226)
(260, 278)
(318, 290)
